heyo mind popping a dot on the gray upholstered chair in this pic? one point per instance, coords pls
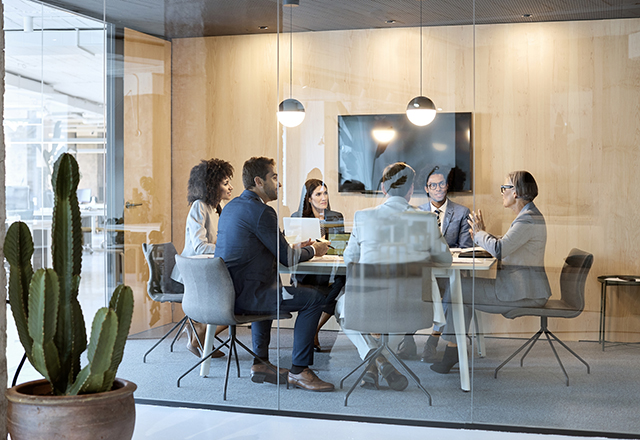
(572, 281)
(209, 298)
(386, 299)
(161, 288)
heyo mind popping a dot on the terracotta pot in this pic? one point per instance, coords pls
(34, 414)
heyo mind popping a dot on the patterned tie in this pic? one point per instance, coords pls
(437, 211)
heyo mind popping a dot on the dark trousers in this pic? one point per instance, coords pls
(308, 302)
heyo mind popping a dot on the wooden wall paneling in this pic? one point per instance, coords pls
(147, 162)
(557, 99)
(224, 102)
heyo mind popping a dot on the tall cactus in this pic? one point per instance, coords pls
(45, 305)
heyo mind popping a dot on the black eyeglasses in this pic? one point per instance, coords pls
(442, 185)
(503, 187)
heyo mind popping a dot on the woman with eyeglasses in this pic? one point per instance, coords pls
(315, 203)
(521, 280)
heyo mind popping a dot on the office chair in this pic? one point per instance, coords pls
(572, 281)
(161, 288)
(209, 298)
(387, 298)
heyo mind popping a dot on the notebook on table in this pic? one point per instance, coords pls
(338, 243)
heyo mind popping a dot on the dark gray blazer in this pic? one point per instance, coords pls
(248, 240)
(521, 252)
(455, 227)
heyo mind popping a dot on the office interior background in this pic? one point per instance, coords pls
(140, 92)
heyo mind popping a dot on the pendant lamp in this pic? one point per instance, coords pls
(421, 110)
(290, 111)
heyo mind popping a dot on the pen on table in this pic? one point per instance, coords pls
(319, 241)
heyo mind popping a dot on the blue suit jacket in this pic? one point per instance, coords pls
(248, 240)
(455, 227)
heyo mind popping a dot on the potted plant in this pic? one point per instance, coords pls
(71, 402)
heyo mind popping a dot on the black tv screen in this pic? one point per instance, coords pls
(445, 143)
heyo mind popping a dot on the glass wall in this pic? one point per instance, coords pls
(54, 103)
(553, 92)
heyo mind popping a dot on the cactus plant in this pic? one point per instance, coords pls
(45, 304)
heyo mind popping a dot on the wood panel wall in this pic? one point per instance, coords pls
(557, 99)
(147, 166)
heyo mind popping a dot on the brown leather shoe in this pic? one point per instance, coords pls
(308, 380)
(267, 373)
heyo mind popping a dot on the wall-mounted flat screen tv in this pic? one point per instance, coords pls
(368, 143)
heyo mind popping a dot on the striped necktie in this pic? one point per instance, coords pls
(437, 211)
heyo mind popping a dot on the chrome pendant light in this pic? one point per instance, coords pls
(421, 110)
(291, 111)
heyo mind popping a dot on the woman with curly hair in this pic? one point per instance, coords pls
(209, 184)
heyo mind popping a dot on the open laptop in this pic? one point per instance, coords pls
(297, 229)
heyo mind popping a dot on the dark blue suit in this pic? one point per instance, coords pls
(248, 241)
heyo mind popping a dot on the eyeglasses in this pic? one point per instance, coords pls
(442, 185)
(503, 187)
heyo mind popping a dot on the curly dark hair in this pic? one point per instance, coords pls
(205, 180)
(309, 187)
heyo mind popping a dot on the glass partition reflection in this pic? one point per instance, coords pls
(550, 94)
(54, 104)
(554, 98)
(359, 165)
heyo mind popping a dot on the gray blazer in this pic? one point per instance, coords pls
(521, 253)
(455, 227)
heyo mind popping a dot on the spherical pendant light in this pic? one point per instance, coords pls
(421, 111)
(291, 112)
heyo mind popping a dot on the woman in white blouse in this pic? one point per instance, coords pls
(209, 185)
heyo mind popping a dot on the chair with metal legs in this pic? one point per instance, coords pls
(572, 281)
(387, 299)
(209, 298)
(161, 288)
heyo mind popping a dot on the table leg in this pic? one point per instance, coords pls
(604, 313)
(208, 347)
(458, 322)
(477, 320)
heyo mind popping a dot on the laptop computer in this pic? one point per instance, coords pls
(297, 229)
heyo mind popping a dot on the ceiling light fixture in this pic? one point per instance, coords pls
(291, 111)
(27, 23)
(421, 110)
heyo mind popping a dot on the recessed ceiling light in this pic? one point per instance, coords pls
(263, 28)
(390, 21)
(527, 15)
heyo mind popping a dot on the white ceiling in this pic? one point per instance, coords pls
(64, 64)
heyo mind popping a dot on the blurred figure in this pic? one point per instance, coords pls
(315, 203)
(209, 185)
(453, 223)
(521, 280)
(370, 244)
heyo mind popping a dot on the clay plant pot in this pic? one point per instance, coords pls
(34, 413)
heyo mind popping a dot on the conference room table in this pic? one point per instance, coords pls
(333, 264)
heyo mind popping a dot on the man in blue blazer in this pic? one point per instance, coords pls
(452, 219)
(251, 243)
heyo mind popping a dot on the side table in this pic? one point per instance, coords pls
(606, 281)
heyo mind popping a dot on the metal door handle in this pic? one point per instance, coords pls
(131, 205)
